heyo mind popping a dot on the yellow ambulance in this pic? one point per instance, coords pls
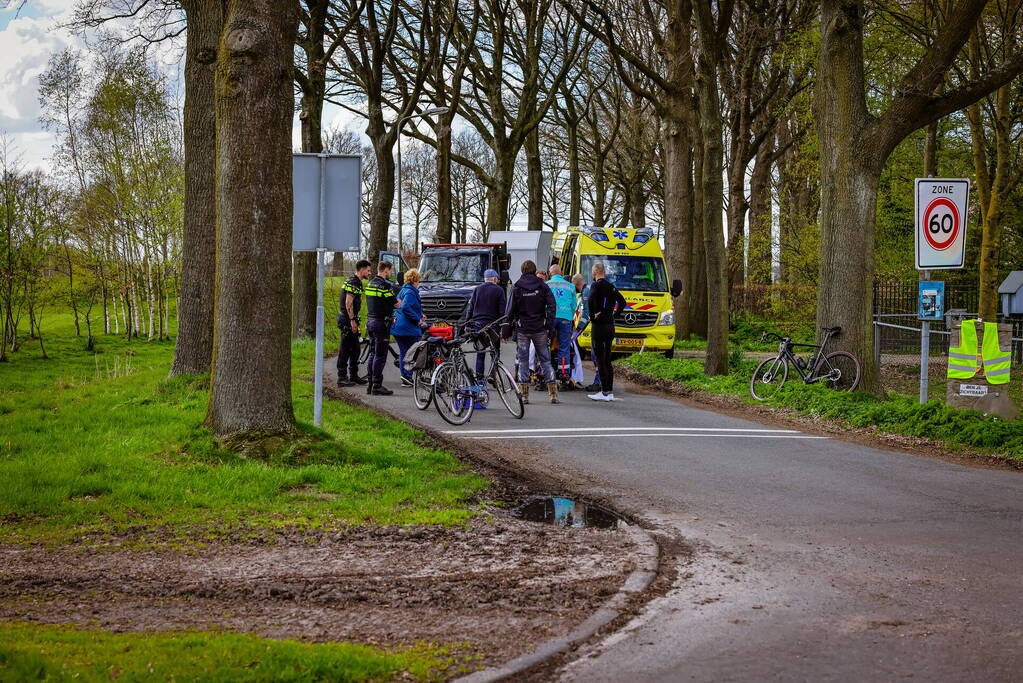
(634, 262)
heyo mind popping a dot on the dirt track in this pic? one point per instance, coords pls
(500, 585)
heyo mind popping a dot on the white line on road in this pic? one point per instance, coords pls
(679, 434)
(620, 429)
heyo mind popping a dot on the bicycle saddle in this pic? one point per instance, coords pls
(834, 330)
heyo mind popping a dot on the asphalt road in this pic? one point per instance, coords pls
(813, 558)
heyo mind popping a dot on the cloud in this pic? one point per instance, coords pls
(28, 43)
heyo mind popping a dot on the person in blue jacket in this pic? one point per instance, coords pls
(565, 298)
(408, 321)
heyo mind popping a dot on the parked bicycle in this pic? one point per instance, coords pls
(839, 369)
(456, 392)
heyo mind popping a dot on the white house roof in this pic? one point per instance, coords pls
(1012, 284)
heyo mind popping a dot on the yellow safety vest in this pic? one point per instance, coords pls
(962, 359)
(996, 360)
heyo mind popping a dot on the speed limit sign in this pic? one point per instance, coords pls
(941, 206)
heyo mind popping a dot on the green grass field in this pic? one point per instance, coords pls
(954, 428)
(102, 443)
(34, 652)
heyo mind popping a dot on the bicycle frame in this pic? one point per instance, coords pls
(785, 351)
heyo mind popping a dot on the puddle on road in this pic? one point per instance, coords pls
(566, 512)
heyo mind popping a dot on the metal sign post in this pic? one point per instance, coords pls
(941, 206)
(328, 199)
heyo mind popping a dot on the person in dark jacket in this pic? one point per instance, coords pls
(348, 323)
(486, 305)
(380, 305)
(604, 301)
(408, 321)
(530, 313)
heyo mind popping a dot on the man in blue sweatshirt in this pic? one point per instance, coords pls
(565, 299)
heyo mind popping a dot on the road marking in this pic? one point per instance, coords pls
(621, 429)
(679, 434)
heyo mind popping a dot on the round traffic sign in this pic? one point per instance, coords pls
(941, 223)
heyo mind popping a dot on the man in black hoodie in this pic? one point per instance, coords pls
(604, 301)
(530, 312)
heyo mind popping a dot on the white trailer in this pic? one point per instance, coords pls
(525, 245)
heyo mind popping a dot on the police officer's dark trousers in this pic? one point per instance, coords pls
(348, 356)
(379, 330)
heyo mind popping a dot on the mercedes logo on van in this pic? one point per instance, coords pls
(630, 318)
(441, 305)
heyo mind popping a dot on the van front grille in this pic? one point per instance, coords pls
(636, 318)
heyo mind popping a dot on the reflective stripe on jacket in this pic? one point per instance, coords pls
(962, 359)
(996, 360)
(379, 298)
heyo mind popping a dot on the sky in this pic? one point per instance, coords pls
(29, 35)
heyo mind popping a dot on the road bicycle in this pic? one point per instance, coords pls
(456, 391)
(839, 369)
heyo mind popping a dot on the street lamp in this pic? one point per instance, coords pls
(428, 112)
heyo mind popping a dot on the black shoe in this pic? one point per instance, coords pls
(380, 390)
(370, 387)
(593, 387)
(359, 380)
(406, 381)
(345, 382)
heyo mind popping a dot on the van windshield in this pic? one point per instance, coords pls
(453, 266)
(632, 273)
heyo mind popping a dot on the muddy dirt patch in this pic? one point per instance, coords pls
(501, 585)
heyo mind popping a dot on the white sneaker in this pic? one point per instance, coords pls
(601, 396)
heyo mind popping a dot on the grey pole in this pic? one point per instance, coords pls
(925, 352)
(401, 241)
(318, 375)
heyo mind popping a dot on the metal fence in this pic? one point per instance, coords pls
(897, 329)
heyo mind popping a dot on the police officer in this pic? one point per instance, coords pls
(380, 304)
(348, 322)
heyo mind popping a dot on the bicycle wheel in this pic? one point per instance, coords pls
(422, 388)
(451, 393)
(506, 388)
(768, 378)
(840, 370)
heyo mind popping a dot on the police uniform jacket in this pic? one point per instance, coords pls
(353, 286)
(380, 298)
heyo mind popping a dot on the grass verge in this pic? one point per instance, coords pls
(952, 427)
(103, 444)
(34, 652)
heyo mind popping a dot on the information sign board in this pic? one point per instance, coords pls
(931, 301)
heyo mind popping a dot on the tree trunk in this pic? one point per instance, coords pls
(737, 206)
(760, 259)
(599, 191)
(383, 199)
(574, 177)
(251, 383)
(311, 117)
(499, 193)
(678, 219)
(637, 204)
(697, 285)
(444, 217)
(713, 227)
(849, 178)
(534, 181)
(193, 348)
(991, 212)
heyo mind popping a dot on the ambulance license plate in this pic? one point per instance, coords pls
(619, 341)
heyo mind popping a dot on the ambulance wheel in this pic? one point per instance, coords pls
(670, 353)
